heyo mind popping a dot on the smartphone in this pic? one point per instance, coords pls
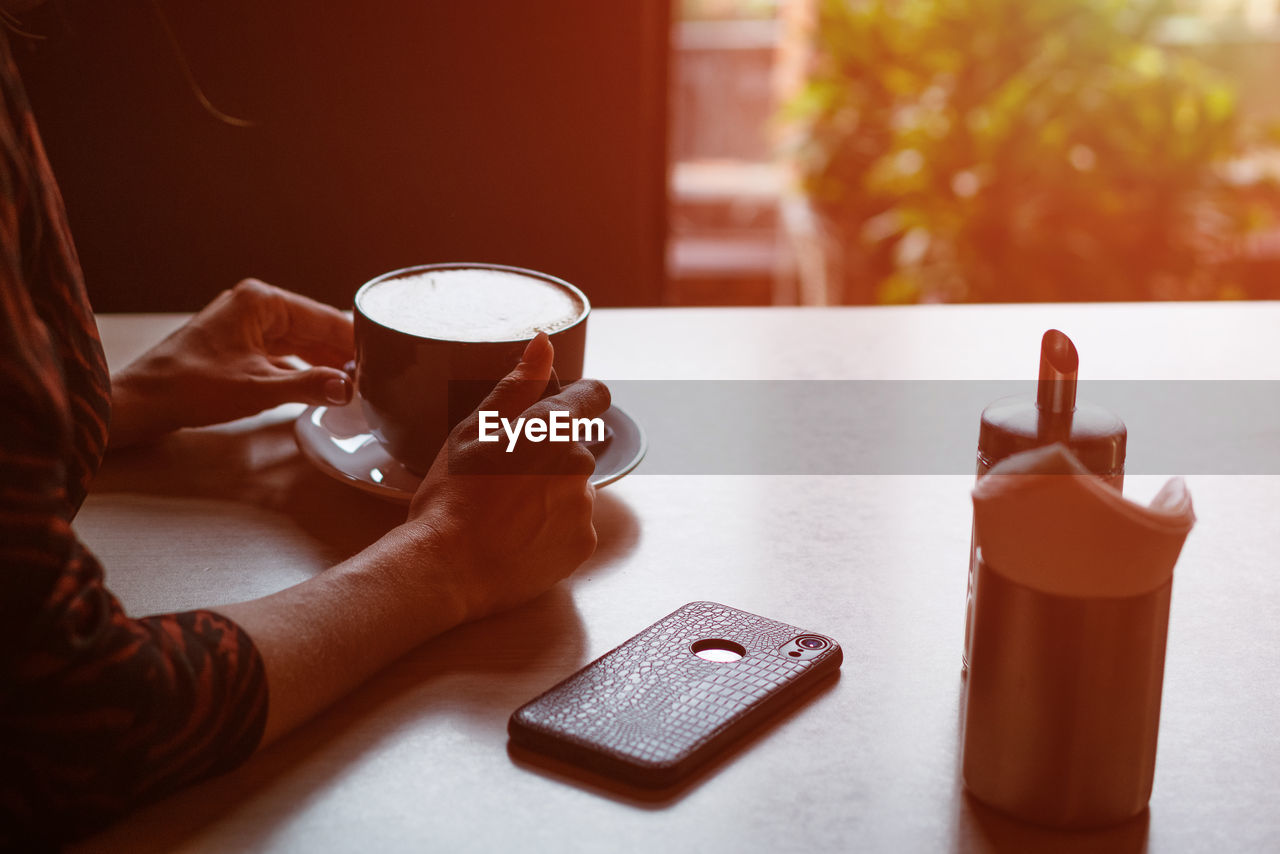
(668, 700)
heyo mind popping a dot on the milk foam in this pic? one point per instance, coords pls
(470, 304)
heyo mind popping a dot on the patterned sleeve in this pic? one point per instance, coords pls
(98, 712)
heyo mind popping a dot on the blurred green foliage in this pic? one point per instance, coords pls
(1000, 150)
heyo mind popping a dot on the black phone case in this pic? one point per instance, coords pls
(651, 711)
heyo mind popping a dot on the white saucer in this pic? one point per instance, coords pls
(337, 440)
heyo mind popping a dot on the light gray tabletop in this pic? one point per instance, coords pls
(417, 759)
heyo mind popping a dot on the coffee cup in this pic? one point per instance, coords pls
(433, 340)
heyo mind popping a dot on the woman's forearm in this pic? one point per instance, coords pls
(321, 638)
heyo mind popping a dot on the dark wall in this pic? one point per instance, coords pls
(387, 134)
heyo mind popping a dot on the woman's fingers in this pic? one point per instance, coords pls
(578, 461)
(521, 388)
(585, 398)
(316, 386)
(297, 325)
(582, 399)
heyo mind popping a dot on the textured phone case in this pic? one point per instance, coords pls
(651, 711)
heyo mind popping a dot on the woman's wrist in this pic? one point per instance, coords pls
(417, 560)
(138, 412)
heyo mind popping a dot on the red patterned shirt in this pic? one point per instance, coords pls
(99, 712)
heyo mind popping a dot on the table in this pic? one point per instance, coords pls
(417, 758)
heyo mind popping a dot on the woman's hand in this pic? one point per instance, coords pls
(486, 530)
(510, 525)
(229, 361)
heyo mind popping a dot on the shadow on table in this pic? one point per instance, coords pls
(980, 829)
(511, 654)
(660, 799)
(257, 462)
(617, 532)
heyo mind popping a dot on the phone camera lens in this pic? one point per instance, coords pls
(811, 643)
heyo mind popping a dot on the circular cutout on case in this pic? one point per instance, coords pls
(717, 649)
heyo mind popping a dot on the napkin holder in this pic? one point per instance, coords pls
(1071, 611)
